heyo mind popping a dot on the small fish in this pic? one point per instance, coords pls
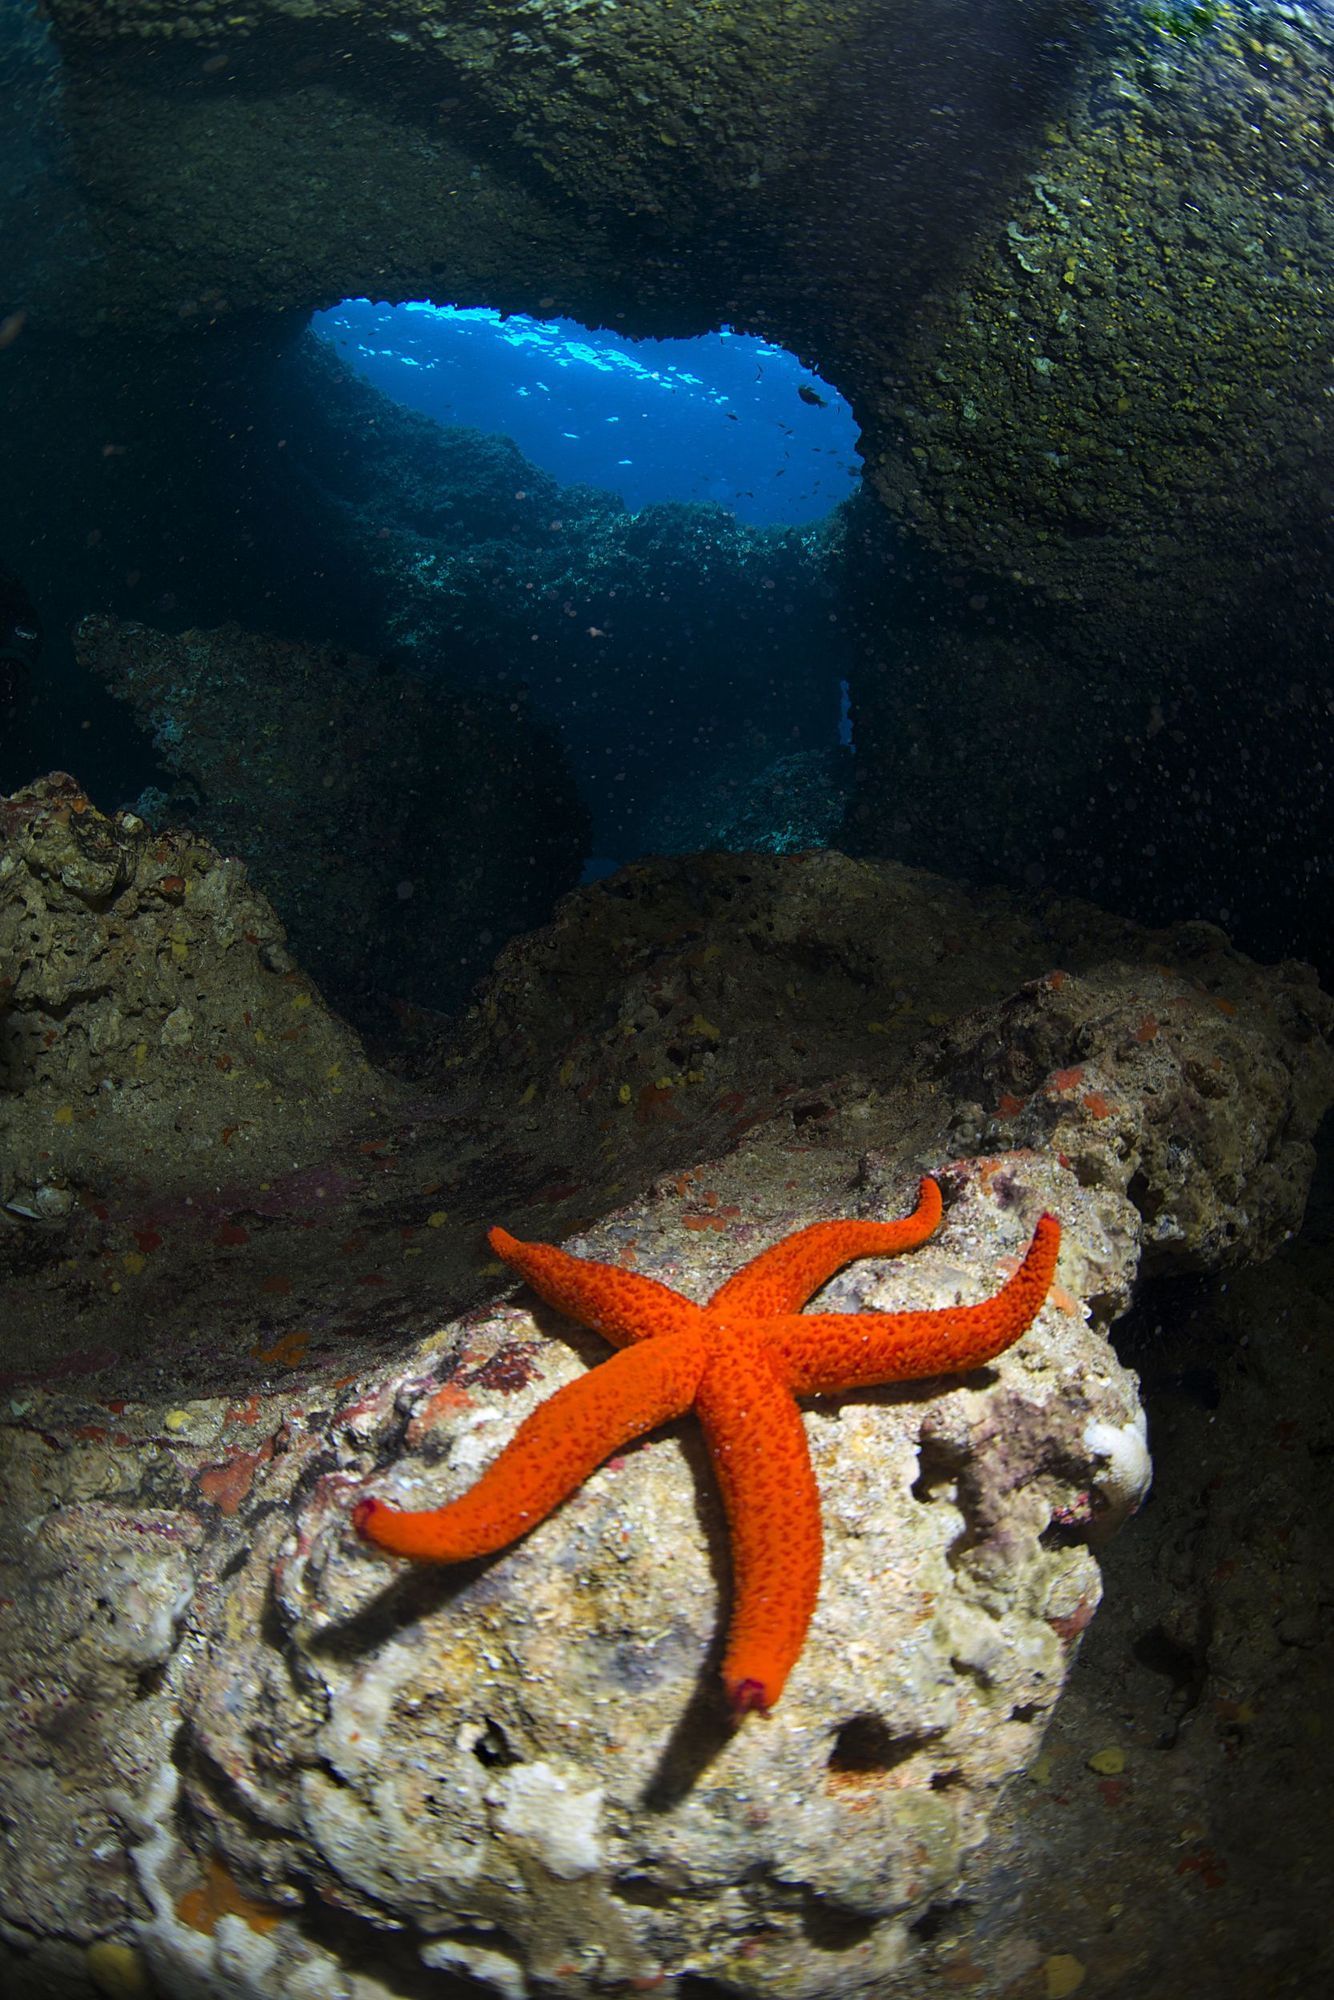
(808, 395)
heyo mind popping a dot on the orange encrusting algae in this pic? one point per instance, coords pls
(739, 1361)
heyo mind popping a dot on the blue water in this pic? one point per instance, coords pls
(716, 418)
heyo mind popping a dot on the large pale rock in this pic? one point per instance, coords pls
(524, 1760)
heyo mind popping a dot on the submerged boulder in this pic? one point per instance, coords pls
(526, 1761)
(155, 1031)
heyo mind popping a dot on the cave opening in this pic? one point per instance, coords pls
(642, 539)
(283, 607)
(724, 418)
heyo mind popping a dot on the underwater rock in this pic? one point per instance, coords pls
(608, 131)
(402, 826)
(668, 1009)
(523, 1761)
(1119, 389)
(305, 1771)
(1204, 1110)
(148, 1004)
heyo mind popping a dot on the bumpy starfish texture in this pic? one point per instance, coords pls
(739, 1362)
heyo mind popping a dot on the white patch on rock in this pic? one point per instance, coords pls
(492, 1968)
(535, 1805)
(1126, 1470)
(476, 1441)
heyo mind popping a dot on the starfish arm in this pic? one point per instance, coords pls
(553, 1451)
(781, 1279)
(757, 1441)
(623, 1306)
(823, 1352)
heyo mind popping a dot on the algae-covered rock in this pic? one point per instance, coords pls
(154, 1029)
(1068, 267)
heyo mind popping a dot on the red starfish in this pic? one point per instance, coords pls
(739, 1362)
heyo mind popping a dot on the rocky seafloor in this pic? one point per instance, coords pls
(262, 1761)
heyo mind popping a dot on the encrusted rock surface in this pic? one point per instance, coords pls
(1125, 1076)
(519, 1770)
(155, 1032)
(693, 997)
(1092, 405)
(528, 1758)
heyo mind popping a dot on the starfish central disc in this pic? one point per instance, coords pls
(739, 1362)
